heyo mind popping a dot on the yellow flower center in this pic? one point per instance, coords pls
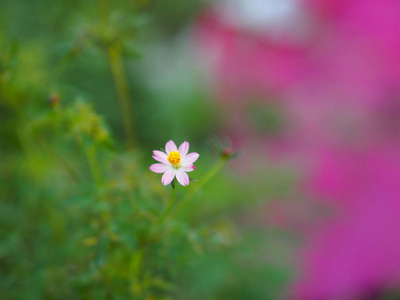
(174, 158)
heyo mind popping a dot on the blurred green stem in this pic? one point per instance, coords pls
(209, 175)
(114, 52)
(91, 155)
(171, 202)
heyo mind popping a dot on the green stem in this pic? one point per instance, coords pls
(117, 68)
(211, 174)
(189, 196)
(91, 155)
(171, 202)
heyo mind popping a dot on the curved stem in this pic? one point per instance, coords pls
(189, 196)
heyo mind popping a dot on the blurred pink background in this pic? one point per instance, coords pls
(326, 75)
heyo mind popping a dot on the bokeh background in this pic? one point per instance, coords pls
(308, 91)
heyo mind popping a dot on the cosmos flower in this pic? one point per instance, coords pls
(174, 163)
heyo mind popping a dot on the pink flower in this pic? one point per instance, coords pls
(356, 252)
(337, 93)
(174, 163)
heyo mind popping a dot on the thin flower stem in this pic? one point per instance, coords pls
(189, 196)
(171, 202)
(121, 85)
(114, 53)
(210, 175)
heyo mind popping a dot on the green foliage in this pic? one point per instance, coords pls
(80, 213)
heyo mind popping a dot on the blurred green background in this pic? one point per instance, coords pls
(87, 90)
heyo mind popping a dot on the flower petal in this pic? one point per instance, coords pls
(190, 158)
(170, 146)
(188, 167)
(159, 168)
(168, 176)
(160, 156)
(182, 177)
(184, 148)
